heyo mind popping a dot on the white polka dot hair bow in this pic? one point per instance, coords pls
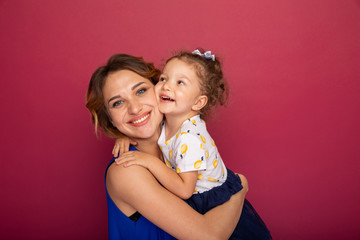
(207, 55)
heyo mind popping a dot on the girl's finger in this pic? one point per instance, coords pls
(115, 151)
(128, 154)
(124, 157)
(124, 161)
(121, 149)
(120, 160)
(125, 147)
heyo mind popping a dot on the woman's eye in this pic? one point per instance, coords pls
(162, 79)
(180, 82)
(141, 91)
(117, 103)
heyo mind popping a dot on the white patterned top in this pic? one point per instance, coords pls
(193, 149)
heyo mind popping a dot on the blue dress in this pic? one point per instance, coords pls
(250, 225)
(122, 227)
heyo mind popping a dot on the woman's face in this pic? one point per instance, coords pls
(132, 105)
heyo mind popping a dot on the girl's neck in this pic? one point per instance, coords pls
(174, 122)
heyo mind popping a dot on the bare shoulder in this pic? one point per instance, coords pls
(127, 175)
(128, 183)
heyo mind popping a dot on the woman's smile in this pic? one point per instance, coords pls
(132, 104)
(140, 120)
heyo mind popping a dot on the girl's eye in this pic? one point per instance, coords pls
(117, 103)
(180, 82)
(141, 91)
(162, 79)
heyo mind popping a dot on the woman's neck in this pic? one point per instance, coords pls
(149, 145)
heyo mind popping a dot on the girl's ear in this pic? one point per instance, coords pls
(200, 103)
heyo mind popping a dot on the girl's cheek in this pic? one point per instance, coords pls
(157, 86)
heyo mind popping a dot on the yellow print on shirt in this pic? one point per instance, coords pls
(168, 164)
(215, 163)
(203, 139)
(170, 154)
(197, 164)
(183, 148)
(211, 179)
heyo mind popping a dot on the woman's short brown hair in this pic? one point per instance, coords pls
(94, 97)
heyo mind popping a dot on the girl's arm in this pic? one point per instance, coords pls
(122, 144)
(137, 189)
(181, 184)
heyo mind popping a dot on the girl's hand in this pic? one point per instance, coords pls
(122, 145)
(136, 158)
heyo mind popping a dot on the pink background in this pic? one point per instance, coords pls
(291, 125)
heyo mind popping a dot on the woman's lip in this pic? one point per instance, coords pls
(140, 120)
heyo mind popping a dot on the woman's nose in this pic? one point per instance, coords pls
(135, 107)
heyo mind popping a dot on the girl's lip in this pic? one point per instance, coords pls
(140, 120)
(165, 98)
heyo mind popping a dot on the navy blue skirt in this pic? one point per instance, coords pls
(250, 225)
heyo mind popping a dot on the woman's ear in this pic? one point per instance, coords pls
(200, 102)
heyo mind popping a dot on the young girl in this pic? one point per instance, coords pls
(190, 85)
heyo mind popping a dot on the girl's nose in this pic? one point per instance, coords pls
(167, 86)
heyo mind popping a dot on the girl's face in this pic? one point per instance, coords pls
(178, 89)
(131, 104)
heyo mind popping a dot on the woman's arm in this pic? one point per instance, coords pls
(137, 188)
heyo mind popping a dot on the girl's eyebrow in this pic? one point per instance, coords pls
(133, 87)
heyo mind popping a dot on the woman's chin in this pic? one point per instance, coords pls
(143, 133)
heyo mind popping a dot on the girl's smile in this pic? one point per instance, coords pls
(178, 89)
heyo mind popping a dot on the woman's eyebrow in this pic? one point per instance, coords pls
(133, 87)
(117, 96)
(136, 85)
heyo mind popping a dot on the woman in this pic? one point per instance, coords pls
(121, 99)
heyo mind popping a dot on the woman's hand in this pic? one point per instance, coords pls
(244, 182)
(121, 146)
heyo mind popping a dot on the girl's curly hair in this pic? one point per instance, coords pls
(212, 84)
